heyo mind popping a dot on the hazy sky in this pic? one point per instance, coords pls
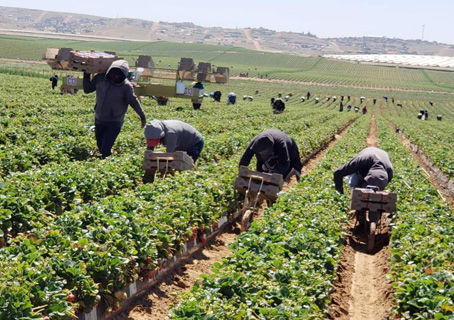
(332, 18)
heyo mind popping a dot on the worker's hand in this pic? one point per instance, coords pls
(143, 122)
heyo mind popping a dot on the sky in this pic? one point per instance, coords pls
(332, 18)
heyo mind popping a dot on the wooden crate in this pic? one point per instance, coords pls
(204, 67)
(367, 199)
(145, 62)
(272, 178)
(57, 59)
(162, 161)
(91, 61)
(252, 180)
(186, 64)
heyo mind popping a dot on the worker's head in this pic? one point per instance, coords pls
(116, 76)
(154, 132)
(118, 71)
(264, 147)
(377, 177)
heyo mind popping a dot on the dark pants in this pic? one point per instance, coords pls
(195, 151)
(106, 134)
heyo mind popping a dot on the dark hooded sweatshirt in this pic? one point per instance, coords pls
(285, 154)
(373, 164)
(112, 100)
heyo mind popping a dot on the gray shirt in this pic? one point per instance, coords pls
(179, 135)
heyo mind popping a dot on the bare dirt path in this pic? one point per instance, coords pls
(372, 139)
(247, 33)
(156, 304)
(336, 47)
(68, 18)
(154, 28)
(41, 16)
(362, 290)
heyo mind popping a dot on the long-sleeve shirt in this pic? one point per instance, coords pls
(285, 155)
(370, 163)
(179, 136)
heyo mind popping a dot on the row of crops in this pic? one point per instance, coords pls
(284, 266)
(77, 229)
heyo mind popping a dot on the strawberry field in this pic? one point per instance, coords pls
(76, 231)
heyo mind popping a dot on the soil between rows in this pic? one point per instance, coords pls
(362, 290)
(161, 298)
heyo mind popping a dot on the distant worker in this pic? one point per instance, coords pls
(364, 110)
(175, 135)
(54, 80)
(375, 100)
(341, 107)
(197, 103)
(308, 95)
(371, 166)
(278, 106)
(231, 98)
(113, 95)
(426, 115)
(216, 96)
(275, 152)
(356, 108)
(349, 107)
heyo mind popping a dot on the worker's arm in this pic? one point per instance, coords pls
(343, 171)
(171, 141)
(89, 84)
(135, 104)
(247, 156)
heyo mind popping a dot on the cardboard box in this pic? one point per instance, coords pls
(91, 61)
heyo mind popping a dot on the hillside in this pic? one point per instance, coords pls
(19, 21)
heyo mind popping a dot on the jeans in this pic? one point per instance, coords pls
(106, 134)
(194, 151)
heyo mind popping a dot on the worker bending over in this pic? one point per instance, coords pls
(371, 166)
(175, 135)
(275, 151)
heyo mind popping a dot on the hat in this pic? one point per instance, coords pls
(377, 177)
(263, 144)
(154, 130)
